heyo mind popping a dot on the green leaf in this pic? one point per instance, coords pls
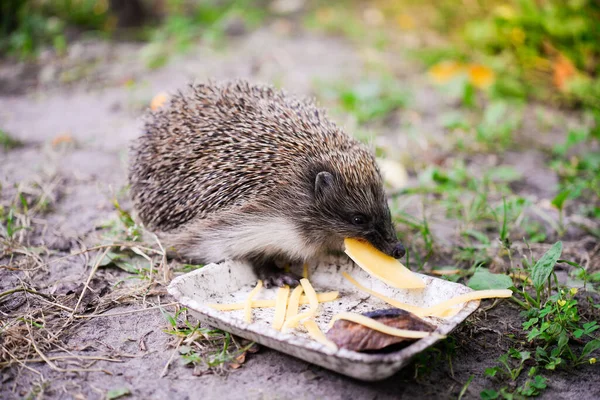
(488, 394)
(481, 237)
(559, 200)
(545, 265)
(483, 279)
(116, 393)
(590, 347)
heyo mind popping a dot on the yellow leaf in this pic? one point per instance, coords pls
(481, 76)
(445, 71)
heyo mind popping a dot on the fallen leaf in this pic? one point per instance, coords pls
(564, 70)
(445, 71)
(117, 393)
(62, 138)
(481, 76)
(241, 358)
(158, 101)
(254, 348)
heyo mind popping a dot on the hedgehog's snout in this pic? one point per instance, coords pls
(398, 251)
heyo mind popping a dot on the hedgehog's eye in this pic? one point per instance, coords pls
(359, 220)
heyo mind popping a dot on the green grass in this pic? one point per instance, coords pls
(204, 348)
(28, 25)
(7, 142)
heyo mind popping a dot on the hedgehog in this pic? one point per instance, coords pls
(233, 170)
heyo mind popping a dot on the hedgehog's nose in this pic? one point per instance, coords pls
(398, 251)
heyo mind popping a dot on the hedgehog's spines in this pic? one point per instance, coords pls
(221, 150)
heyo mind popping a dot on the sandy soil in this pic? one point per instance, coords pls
(97, 115)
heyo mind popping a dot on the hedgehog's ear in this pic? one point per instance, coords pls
(323, 183)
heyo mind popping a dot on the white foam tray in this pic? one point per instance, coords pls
(230, 282)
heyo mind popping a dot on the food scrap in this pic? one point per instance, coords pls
(248, 305)
(383, 267)
(358, 337)
(314, 306)
(378, 326)
(268, 303)
(281, 306)
(294, 302)
(316, 333)
(444, 309)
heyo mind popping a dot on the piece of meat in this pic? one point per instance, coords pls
(353, 336)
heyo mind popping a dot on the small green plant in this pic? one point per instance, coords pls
(552, 320)
(126, 228)
(579, 172)
(554, 326)
(511, 364)
(194, 354)
(533, 385)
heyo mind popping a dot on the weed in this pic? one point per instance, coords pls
(200, 356)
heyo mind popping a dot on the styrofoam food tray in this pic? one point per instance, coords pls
(231, 281)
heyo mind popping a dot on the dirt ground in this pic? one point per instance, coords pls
(75, 137)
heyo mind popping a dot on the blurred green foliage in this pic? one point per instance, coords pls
(172, 26)
(368, 100)
(548, 49)
(185, 22)
(26, 25)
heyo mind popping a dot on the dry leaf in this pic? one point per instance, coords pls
(564, 70)
(241, 358)
(481, 76)
(62, 138)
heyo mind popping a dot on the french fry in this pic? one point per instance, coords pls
(317, 334)
(314, 306)
(378, 326)
(294, 302)
(382, 266)
(248, 304)
(280, 306)
(268, 303)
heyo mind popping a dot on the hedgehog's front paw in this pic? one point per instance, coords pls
(281, 278)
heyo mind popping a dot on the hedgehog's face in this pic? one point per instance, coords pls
(353, 211)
